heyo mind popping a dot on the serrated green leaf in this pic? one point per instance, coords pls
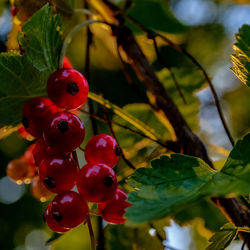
(17, 86)
(241, 58)
(174, 182)
(41, 39)
(155, 14)
(24, 77)
(223, 238)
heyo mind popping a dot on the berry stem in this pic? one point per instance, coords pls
(91, 233)
(70, 35)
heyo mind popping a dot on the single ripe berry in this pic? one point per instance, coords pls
(24, 134)
(28, 155)
(102, 149)
(42, 151)
(39, 190)
(20, 171)
(36, 113)
(14, 10)
(113, 210)
(58, 173)
(65, 132)
(67, 88)
(97, 182)
(69, 209)
(67, 63)
(52, 223)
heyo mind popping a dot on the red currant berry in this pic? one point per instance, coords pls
(113, 210)
(52, 223)
(28, 155)
(58, 173)
(97, 183)
(69, 209)
(20, 171)
(36, 113)
(102, 149)
(67, 63)
(64, 132)
(42, 151)
(14, 10)
(67, 88)
(38, 190)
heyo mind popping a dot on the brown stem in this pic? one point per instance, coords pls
(199, 66)
(91, 233)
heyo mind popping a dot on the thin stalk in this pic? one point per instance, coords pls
(71, 34)
(91, 233)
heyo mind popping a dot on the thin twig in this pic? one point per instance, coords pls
(195, 62)
(161, 60)
(129, 129)
(113, 134)
(91, 233)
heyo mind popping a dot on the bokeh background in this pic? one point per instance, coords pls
(209, 35)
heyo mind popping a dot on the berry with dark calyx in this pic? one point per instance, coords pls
(102, 149)
(42, 151)
(52, 223)
(28, 155)
(39, 191)
(20, 171)
(58, 173)
(113, 210)
(67, 88)
(96, 182)
(67, 63)
(64, 132)
(36, 113)
(69, 209)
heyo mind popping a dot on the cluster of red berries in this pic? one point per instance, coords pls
(60, 133)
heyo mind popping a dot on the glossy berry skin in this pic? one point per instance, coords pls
(38, 190)
(69, 209)
(97, 183)
(58, 173)
(36, 113)
(64, 132)
(67, 63)
(19, 170)
(113, 210)
(28, 155)
(42, 151)
(67, 88)
(102, 149)
(52, 223)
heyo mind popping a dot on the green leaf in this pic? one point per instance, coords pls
(223, 238)
(241, 58)
(17, 86)
(155, 14)
(41, 39)
(190, 81)
(24, 77)
(177, 181)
